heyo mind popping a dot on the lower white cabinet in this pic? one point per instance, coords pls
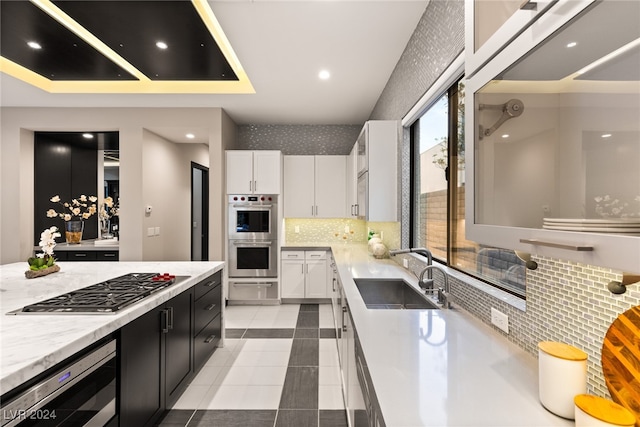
(304, 274)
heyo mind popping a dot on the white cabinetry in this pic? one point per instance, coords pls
(538, 181)
(304, 274)
(376, 182)
(352, 182)
(314, 186)
(493, 23)
(254, 172)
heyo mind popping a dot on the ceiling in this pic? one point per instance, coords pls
(280, 45)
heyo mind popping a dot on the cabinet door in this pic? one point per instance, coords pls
(493, 23)
(239, 172)
(293, 278)
(141, 391)
(178, 345)
(316, 278)
(352, 182)
(299, 187)
(267, 172)
(331, 195)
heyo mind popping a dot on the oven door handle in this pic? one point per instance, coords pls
(255, 207)
(267, 243)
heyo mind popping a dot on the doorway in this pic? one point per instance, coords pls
(199, 212)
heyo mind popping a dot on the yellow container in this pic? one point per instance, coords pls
(562, 372)
(593, 411)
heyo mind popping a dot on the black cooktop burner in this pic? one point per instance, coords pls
(105, 297)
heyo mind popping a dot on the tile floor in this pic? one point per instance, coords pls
(279, 368)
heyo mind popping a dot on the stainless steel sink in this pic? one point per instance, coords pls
(392, 294)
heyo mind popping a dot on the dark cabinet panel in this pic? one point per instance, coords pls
(141, 394)
(208, 284)
(107, 255)
(206, 308)
(81, 256)
(178, 345)
(206, 341)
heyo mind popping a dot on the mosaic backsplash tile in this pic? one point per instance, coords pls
(299, 139)
(331, 231)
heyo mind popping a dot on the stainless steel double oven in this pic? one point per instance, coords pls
(253, 235)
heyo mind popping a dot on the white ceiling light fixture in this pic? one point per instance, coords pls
(161, 45)
(324, 75)
(606, 135)
(34, 45)
(505, 136)
(190, 136)
(572, 44)
(87, 135)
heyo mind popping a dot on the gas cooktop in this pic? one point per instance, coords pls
(105, 297)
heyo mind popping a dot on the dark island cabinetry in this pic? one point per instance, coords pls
(161, 351)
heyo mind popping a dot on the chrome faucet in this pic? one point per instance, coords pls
(444, 293)
(420, 251)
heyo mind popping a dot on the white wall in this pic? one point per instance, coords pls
(16, 167)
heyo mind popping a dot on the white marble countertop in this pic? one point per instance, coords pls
(439, 367)
(30, 344)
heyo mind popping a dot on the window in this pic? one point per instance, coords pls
(438, 196)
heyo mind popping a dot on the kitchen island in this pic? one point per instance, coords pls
(30, 344)
(437, 367)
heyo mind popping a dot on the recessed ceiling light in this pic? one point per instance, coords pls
(506, 135)
(34, 45)
(572, 44)
(162, 45)
(606, 135)
(324, 75)
(190, 135)
(87, 135)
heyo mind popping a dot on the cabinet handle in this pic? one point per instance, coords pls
(357, 209)
(316, 210)
(537, 242)
(255, 185)
(250, 185)
(315, 255)
(528, 5)
(209, 339)
(210, 307)
(334, 284)
(108, 255)
(302, 265)
(80, 255)
(164, 315)
(210, 283)
(344, 327)
(311, 210)
(170, 323)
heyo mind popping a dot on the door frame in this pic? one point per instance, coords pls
(205, 210)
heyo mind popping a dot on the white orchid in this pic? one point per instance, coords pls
(47, 243)
(79, 208)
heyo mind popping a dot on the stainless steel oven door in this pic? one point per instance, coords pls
(81, 393)
(253, 217)
(257, 258)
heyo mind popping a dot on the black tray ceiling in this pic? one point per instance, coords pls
(130, 28)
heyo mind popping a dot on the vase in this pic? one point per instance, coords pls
(73, 231)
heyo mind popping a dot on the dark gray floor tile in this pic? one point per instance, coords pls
(175, 417)
(269, 333)
(297, 418)
(333, 418)
(234, 333)
(233, 418)
(309, 307)
(327, 333)
(300, 389)
(306, 334)
(304, 352)
(308, 319)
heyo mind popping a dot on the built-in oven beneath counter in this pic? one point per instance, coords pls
(80, 391)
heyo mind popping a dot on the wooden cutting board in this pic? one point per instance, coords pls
(621, 360)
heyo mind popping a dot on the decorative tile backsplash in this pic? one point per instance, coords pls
(331, 231)
(299, 139)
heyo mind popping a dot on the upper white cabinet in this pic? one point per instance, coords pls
(376, 183)
(352, 182)
(553, 126)
(493, 24)
(314, 186)
(254, 172)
